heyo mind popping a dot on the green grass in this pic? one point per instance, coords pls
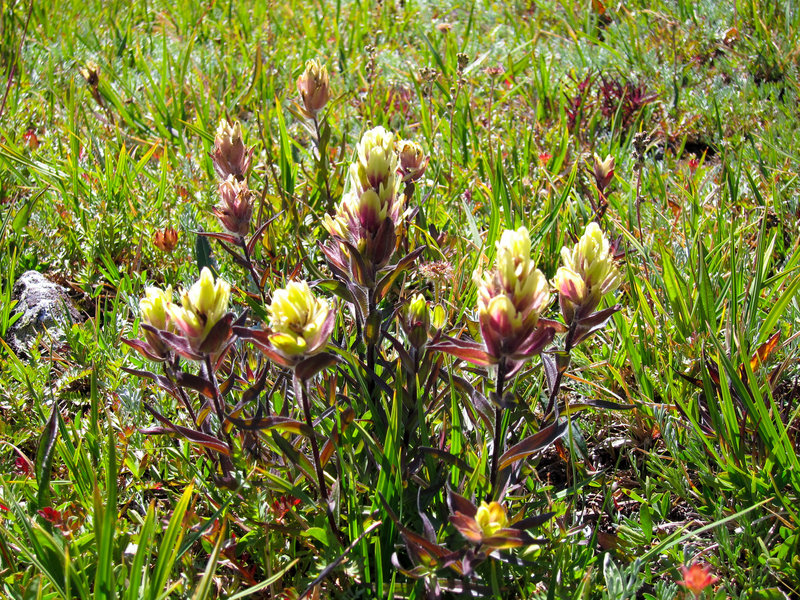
(703, 468)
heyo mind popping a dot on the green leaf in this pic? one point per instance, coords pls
(203, 588)
(105, 519)
(170, 545)
(202, 253)
(44, 458)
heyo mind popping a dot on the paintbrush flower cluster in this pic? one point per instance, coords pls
(390, 378)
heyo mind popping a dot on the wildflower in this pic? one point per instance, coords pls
(23, 466)
(413, 161)
(51, 515)
(488, 524)
(491, 518)
(369, 216)
(165, 239)
(416, 321)
(231, 157)
(314, 87)
(30, 138)
(603, 171)
(495, 70)
(235, 208)
(91, 73)
(376, 165)
(301, 323)
(587, 275)
(510, 299)
(200, 318)
(283, 505)
(153, 308)
(697, 578)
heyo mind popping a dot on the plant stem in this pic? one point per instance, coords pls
(370, 343)
(181, 392)
(218, 401)
(300, 390)
(499, 434)
(323, 161)
(302, 393)
(224, 461)
(560, 370)
(251, 269)
(412, 392)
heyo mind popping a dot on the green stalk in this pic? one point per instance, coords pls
(561, 369)
(499, 436)
(251, 269)
(302, 392)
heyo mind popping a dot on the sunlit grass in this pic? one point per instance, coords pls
(105, 140)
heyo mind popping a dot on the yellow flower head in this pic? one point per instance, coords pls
(154, 305)
(512, 295)
(588, 273)
(202, 306)
(301, 323)
(376, 167)
(491, 518)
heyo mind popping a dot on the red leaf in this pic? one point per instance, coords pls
(465, 350)
(532, 444)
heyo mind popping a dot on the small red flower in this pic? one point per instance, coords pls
(697, 577)
(30, 138)
(52, 515)
(3, 507)
(23, 466)
(283, 505)
(544, 157)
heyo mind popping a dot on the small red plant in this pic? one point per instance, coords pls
(23, 466)
(283, 505)
(31, 139)
(51, 515)
(696, 578)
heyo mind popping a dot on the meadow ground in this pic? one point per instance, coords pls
(621, 425)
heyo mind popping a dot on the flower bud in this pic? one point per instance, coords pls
(301, 323)
(235, 208)
(603, 172)
(166, 239)
(153, 308)
(416, 321)
(202, 307)
(588, 273)
(230, 156)
(314, 87)
(413, 161)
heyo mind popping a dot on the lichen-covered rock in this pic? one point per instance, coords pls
(43, 305)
